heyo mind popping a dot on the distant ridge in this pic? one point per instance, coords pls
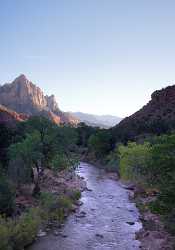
(103, 121)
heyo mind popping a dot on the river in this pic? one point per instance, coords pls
(106, 220)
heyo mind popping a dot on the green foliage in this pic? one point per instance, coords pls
(43, 144)
(16, 234)
(7, 196)
(134, 159)
(60, 162)
(112, 161)
(84, 132)
(65, 202)
(163, 160)
(153, 164)
(54, 207)
(100, 143)
(23, 157)
(63, 161)
(75, 195)
(163, 168)
(36, 143)
(25, 229)
(47, 200)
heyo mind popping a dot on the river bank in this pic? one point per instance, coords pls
(36, 216)
(153, 235)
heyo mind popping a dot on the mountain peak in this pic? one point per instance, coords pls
(25, 97)
(21, 78)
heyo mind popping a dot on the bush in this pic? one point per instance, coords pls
(75, 195)
(7, 197)
(25, 229)
(112, 161)
(134, 162)
(54, 208)
(16, 234)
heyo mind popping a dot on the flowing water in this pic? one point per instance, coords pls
(108, 219)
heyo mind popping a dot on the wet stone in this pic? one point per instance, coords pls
(130, 223)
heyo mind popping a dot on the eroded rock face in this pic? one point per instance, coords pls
(25, 97)
(22, 96)
(51, 103)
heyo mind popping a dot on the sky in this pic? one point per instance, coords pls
(95, 56)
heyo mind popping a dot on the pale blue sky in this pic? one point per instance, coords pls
(96, 56)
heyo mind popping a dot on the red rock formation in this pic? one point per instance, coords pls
(25, 97)
(10, 117)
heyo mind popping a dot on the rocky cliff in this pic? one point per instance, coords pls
(25, 97)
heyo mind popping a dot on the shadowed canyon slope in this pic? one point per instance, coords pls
(156, 117)
(23, 96)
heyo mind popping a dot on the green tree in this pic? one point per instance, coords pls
(24, 156)
(100, 143)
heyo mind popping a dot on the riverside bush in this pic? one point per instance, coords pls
(153, 165)
(55, 208)
(134, 161)
(75, 195)
(25, 229)
(16, 234)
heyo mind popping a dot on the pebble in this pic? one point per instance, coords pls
(99, 235)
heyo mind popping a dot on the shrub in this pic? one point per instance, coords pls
(112, 161)
(47, 200)
(134, 161)
(60, 162)
(65, 202)
(25, 229)
(7, 196)
(75, 195)
(53, 207)
(16, 234)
